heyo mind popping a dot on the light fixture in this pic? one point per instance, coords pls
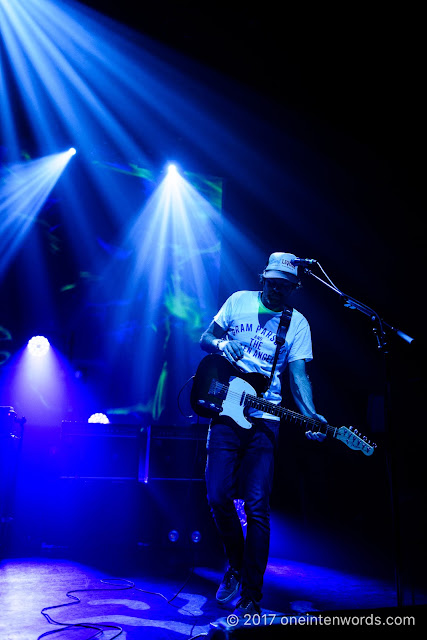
(173, 535)
(99, 418)
(38, 346)
(196, 536)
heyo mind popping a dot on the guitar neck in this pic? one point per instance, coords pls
(282, 412)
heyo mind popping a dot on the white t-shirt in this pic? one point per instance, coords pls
(246, 319)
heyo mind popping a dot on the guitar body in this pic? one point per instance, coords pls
(219, 388)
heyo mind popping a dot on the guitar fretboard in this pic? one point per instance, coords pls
(266, 406)
(282, 412)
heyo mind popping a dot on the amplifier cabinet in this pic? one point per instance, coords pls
(175, 453)
(110, 451)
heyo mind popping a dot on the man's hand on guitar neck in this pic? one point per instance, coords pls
(303, 396)
(317, 435)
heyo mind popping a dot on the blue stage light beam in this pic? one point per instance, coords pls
(41, 382)
(171, 236)
(109, 88)
(8, 124)
(175, 244)
(24, 188)
(68, 71)
(172, 277)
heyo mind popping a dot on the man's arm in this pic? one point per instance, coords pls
(303, 395)
(212, 337)
(212, 341)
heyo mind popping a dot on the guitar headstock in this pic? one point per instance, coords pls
(353, 439)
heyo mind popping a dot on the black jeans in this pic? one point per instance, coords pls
(240, 464)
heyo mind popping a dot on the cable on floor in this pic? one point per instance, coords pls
(99, 628)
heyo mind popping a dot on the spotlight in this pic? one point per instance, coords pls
(99, 418)
(173, 535)
(38, 346)
(196, 536)
(172, 170)
(72, 151)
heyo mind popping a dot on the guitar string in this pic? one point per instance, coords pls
(260, 402)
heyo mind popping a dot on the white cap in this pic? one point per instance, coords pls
(280, 266)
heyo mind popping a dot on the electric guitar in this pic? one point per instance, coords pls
(222, 389)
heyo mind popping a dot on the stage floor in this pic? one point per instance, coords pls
(177, 600)
(106, 543)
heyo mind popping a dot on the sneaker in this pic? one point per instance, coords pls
(247, 607)
(229, 586)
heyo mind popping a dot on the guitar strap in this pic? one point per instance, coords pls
(285, 320)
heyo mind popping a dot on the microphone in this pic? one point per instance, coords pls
(303, 262)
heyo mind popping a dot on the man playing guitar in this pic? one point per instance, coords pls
(256, 332)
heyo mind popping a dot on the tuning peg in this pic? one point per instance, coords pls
(351, 428)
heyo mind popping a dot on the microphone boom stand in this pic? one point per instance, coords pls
(378, 327)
